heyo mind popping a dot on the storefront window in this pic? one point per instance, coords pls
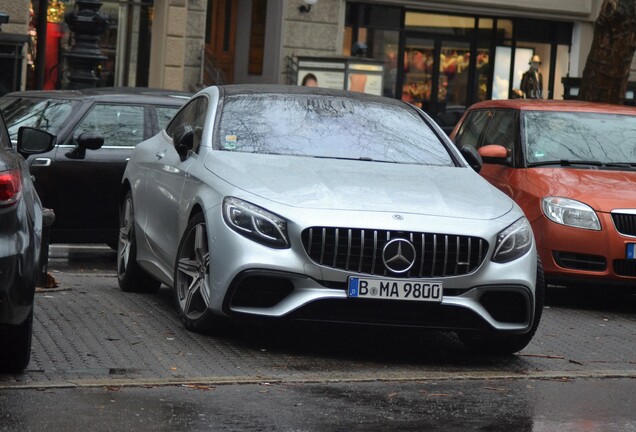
(374, 31)
(126, 43)
(504, 31)
(444, 62)
(447, 24)
(454, 60)
(562, 69)
(418, 72)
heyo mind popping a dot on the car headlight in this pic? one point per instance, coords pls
(255, 223)
(513, 242)
(569, 212)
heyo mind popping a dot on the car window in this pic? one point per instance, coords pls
(120, 125)
(193, 114)
(579, 136)
(502, 130)
(334, 127)
(472, 127)
(164, 115)
(46, 114)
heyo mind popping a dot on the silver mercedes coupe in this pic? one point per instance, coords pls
(289, 202)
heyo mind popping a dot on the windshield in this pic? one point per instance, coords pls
(330, 127)
(46, 114)
(551, 136)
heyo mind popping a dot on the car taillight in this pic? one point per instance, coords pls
(10, 187)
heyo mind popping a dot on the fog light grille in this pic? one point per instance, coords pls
(506, 306)
(261, 291)
(577, 261)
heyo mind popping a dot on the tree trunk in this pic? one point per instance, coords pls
(606, 72)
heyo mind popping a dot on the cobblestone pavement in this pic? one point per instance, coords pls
(88, 333)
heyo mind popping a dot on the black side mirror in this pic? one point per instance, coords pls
(90, 140)
(34, 141)
(86, 140)
(472, 157)
(183, 140)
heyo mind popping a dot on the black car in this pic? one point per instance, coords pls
(20, 244)
(96, 131)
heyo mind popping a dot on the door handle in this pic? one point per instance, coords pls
(41, 162)
(160, 155)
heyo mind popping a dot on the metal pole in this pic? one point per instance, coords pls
(40, 59)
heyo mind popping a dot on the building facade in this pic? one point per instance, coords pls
(442, 56)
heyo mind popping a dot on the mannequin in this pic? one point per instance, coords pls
(532, 80)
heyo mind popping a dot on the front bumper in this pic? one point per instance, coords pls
(248, 279)
(574, 255)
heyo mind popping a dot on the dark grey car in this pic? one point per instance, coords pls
(79, 178)
(20, 241)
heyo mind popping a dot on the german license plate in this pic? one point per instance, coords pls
(395, 289)
(631, 251)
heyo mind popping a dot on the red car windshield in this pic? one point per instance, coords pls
(578, 138)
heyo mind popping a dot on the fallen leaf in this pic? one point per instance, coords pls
(198, 387)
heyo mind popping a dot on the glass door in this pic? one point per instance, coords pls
(454, 68)
(437, 76)
(419, 71)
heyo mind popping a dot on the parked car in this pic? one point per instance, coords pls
(20, 244)
(96, 132)
(571, 166)
(315, 204)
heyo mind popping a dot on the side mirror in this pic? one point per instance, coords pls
(86, 140)
(472, 157)
(494, 153)
(183, 140)
(90, 140)
(34, 141)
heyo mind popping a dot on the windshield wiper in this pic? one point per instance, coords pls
(361, 158)
(566, 162)
(621, 164)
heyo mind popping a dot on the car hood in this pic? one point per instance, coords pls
(603, 190)
(360, 185)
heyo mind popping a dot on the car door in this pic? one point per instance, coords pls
(53, 115)
(166, 181)
(87, 183)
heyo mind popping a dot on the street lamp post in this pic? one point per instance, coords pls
(85, 56)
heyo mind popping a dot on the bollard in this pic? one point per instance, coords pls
(48, 217)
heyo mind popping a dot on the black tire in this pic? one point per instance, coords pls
(191, 279)
(131, 277)
(507, 345)
(15, 346)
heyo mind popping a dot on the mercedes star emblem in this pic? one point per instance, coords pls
(398, 255)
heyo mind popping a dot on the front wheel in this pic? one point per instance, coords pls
(506, 345)
(192, 278)
(15, 346)
(131, 277)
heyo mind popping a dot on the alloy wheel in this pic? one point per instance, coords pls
(192, 274)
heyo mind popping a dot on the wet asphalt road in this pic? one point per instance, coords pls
(104, 360)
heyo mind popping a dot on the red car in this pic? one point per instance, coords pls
(571, 166)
